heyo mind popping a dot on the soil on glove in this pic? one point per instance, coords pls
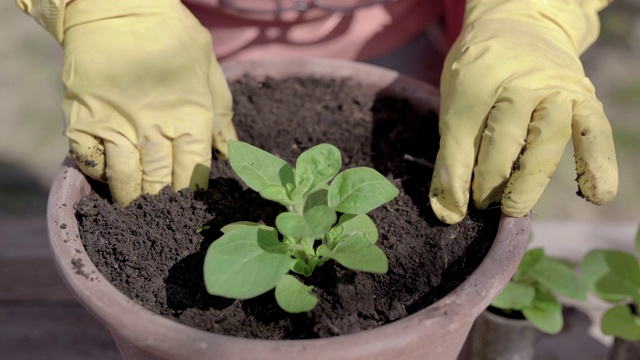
(153, 252)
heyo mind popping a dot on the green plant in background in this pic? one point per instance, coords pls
(614, 276)
(533, 287)
(250, 259)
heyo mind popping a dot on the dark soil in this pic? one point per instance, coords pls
(152, 252)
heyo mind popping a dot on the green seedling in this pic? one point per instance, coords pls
(206, 227)
(325, 218)
(533, 288)
(614, 276)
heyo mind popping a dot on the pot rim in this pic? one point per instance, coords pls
(132, 322)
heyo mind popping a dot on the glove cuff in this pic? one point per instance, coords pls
(578, 19)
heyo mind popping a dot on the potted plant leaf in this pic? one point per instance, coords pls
(614, 276)
(527, 305)
(311, 232)
(433, 331)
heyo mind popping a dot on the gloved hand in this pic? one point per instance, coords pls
(145, 97)
(513, 93)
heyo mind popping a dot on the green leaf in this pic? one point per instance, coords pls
(358, 253)
(257, 168)
(316, 198)
(545, 313)
(621, 322)
(515, 296)
(276, 193)
(317, 166)
(300, 267)
(351, 224)
(315, 261)
(333, 234)
(205, 227)
(360, 190)
(613, 266)
(614, 284)
(530, 258)
(294, 296)
(307, 243)
(243, 225)
(559, 278)
(322, 249)
(245, 263)
(314, 223)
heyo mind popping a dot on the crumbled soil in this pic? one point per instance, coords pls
(153, 253)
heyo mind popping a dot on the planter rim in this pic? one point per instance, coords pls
(118, 312)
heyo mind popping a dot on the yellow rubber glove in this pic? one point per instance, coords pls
(48, 13)
(145, 97)
(513, 93)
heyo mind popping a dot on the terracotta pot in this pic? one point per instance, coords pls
(495, 337)
(625, 350)
(437, 332)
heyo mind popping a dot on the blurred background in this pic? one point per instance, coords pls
(32, 145)
(41, 318)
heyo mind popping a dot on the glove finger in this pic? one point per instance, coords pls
(124, 172)
(156, 159)
(460, 132)
(449, 193)
(595, 155)
(549, 133)
(192, 162)
(502, 142)
(223, 129)
(88, 153)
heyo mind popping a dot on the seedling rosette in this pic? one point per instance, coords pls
(325, 219)
(614, 276)
(533, 288)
